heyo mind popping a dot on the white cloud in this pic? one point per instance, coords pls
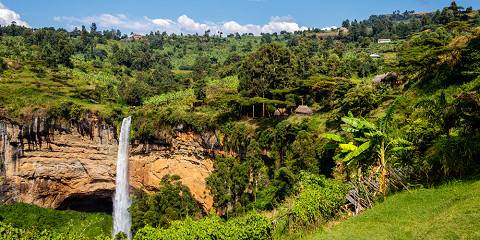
(107, 21)
(7, 16)
(183, 24)
(165, 23)
(190, 25)
(233, 26)
(278, 24)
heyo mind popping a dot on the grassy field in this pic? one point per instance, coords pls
(26, 216)
(448, 212)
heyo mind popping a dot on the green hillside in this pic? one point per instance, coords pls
(447, 212)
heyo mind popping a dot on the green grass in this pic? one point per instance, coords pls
(23, 89)
(448, 212)
(26, 216)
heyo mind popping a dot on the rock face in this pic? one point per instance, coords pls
(49, 166)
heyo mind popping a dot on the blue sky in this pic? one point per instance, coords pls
(198, 15)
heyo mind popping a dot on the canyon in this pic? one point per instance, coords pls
(71, 165)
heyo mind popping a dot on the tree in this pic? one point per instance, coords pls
(369, 136)
(271, 67)
(201, 67)
(302, 155)
(228, 183)
(199, 89)
(132, 91)
(255, 163)
(172, 201)
(333, 64)
(55, 47)
(93, 29)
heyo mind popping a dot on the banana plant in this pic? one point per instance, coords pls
(369, 136)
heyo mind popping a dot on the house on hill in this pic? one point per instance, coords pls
(390, 78)
(303, 110)
(136, 36)
(384, 40)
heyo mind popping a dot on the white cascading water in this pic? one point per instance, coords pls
(121, 216)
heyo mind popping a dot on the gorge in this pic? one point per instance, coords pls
(71, 165)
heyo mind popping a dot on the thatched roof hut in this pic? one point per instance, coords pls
(303, 110)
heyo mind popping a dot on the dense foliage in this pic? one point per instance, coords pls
(22, 221)
(320, 199)
(172, 201)
(250, 226)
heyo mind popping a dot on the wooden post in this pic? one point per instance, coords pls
(263, 105)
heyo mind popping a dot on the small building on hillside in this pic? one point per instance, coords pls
(384, 40)
(374, 55)
(390, 78)
(136, 36)
(303, 110)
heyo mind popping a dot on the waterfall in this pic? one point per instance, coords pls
(121, 216)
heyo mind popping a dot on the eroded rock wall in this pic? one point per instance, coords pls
(45, 164)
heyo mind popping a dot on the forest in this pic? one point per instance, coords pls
(315, 126)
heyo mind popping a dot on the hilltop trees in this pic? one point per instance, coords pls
(55, 46)
(271, 67)
(401, 25)
(200, 68)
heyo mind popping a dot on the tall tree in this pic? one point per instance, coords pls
(271, 67)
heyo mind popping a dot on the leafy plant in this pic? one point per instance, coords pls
(378, 137)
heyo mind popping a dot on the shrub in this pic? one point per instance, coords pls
(320, 199)
(24, 220)
(173, 201)
(3, 65)
(8, 232)
(252, 226)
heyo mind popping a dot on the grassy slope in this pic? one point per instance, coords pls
(27, 216)
(449, 212)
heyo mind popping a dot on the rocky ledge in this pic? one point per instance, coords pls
(51, 165)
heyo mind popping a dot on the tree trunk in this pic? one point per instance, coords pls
(383, 167)
(263, 106)
(255, 192)
(253, 111)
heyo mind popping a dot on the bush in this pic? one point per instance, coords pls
(320, 199)
(173, 201)
(8, 232)
(252, 226)
(3, 65)
(24, 220)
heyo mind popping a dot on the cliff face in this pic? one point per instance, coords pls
(49, 165)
